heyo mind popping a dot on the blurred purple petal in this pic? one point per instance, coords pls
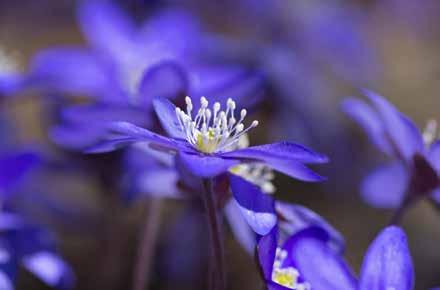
(295, 218)
(240, 227)
(166, 80)
(257, 208)
(166, 112)
(107, 27)
(50, 269)
(318, 264)
(404, 134)
(385, 187)
(71, 70)
(370, 121)
(388, 263)
(205, 166)
(5, 282)
(14, 166)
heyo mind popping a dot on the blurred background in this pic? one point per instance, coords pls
(313, 54)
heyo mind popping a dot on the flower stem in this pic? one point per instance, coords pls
(150, 230)
(217, 273)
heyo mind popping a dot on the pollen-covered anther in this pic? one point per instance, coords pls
(213, 130)
(287, 276)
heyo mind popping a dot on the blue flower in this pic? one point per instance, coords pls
(412, 172)
(126, 66)
(306, 259)
(33, 247)
(209, 143)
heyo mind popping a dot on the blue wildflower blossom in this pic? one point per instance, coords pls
(207, 144)
(413, 170)
(22, 242)
(306, 260)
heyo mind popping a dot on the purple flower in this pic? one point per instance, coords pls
(412, 172)
(33, 247)
(210, 143)
(126, 66)
(307, 260)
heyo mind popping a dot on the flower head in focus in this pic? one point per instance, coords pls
(206, 143)
(415, 157)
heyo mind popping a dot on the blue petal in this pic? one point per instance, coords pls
(205, 166)
(14, 166)
(284, 157)
(404, 134)
(50, 269)
(5, 282)
(318, 264)
(72, 70)
(166, 80)
(295, 218)
(370, 121)
(434, 155)
(266, 249)
(257, 208)
(239, 227)
(386, 186)
(107, 27)
(124, 133)
(387, 263)
(166, 112)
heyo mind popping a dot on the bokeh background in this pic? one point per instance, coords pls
(398, 56)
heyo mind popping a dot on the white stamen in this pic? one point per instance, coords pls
(430, 132)
(286, 276)
(213, 130)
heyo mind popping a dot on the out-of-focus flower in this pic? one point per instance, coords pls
(33, 247)
(21, 242)
(207, 144)
(126, 66)
(306, 259)
(412, 174)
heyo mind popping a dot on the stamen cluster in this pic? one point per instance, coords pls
(213, 130)
(288, 276)
(258, 174)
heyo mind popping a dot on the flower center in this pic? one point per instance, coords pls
(213, 130)
(286, 276)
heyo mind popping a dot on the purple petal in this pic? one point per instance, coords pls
(107, 27)
(166, 112)
(166, 80)
(434, 155)
(77, 137)
(387, 263)
(14, 166)
(436, 195)
(266, 249)
(240, 227)
(404, 134)
(257, 208)
(219, 83)
(71, 70)
(318, 264)
(50, 269)
(385, 187)
(283, 150)
(9, 221)
(126, 133)
(205, 166)
(284, 157)
(5, 282)
(370, 121)
(295, 218)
